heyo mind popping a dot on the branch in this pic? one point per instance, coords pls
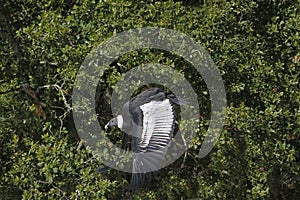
(55, 187)
(39, 111)
(57, 87)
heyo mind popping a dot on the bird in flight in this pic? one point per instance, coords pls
(150, 120)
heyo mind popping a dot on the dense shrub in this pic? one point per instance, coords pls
(255, 45)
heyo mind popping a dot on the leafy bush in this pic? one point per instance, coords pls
(255, 45)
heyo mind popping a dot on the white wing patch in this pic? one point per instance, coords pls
(158, 118)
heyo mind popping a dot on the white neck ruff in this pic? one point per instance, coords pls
(120, 121)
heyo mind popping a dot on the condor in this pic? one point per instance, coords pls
(150, 120)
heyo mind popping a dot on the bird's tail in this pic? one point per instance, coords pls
(139, 179)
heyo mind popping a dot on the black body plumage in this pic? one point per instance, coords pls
(150, 119)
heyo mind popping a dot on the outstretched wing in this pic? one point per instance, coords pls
(158, 120)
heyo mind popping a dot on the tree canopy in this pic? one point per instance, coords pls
(255, 45)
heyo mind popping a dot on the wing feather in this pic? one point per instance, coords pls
(158, 119)
(152, 139)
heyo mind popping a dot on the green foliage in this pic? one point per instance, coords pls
(255, 45)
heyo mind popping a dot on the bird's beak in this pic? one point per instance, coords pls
(112, 122)
(106, 126)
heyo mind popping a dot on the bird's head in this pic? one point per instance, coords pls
(117, 121)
